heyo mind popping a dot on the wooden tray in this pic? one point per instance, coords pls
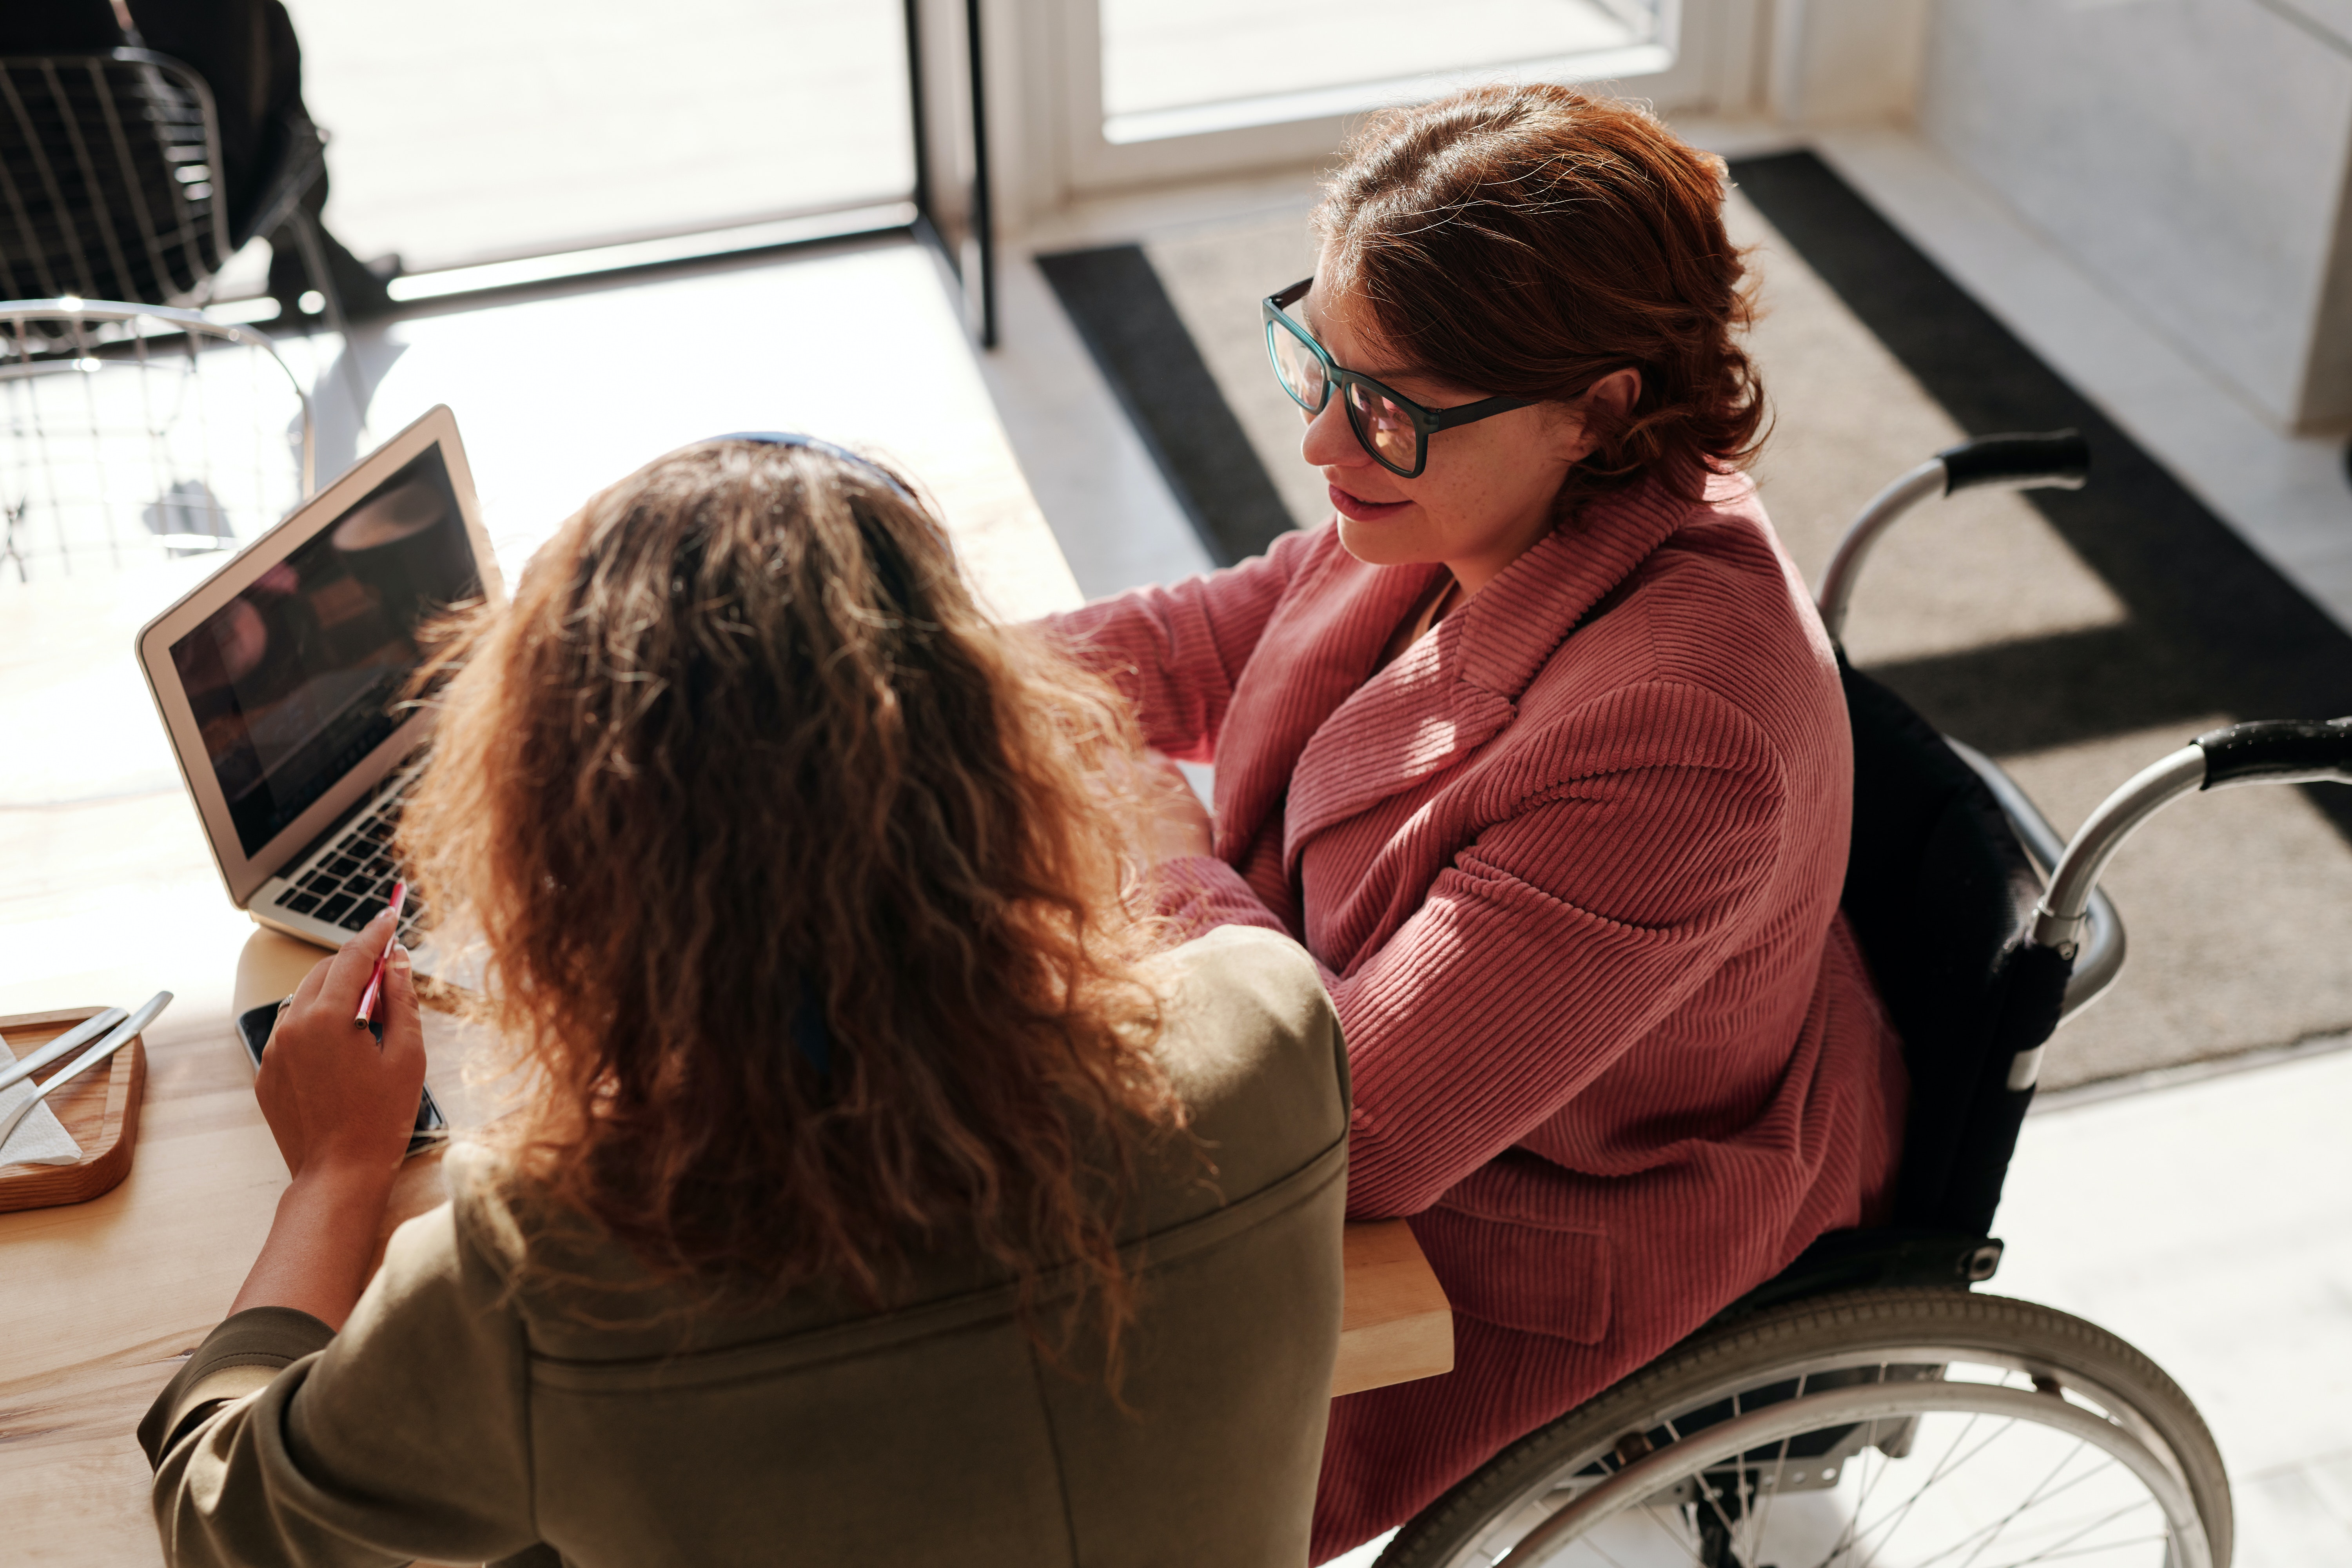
(99, 1109)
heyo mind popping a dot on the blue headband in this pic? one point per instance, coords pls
(794, 438)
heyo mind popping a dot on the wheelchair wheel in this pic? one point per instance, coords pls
(1896, 1428)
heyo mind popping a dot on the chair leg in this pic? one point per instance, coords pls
(314, 262)
(8, 551)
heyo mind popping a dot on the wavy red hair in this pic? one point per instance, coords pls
(743, 755)
(1526, 240)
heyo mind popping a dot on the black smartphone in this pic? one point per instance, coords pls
(252, 1027)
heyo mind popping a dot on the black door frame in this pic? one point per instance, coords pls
(954, 213)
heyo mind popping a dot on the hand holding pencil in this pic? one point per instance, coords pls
(335, 1100)
(398, 901)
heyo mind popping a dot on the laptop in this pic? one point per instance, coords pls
(280, 681)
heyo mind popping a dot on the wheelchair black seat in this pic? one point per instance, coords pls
(1940, 894)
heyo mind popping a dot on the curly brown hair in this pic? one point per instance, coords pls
(803, 904)
(1526, 241)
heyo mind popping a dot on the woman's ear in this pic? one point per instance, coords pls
(1612, 397)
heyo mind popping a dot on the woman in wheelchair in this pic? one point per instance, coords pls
(880, 1187)
(1538, 747)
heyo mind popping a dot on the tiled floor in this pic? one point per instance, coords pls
(1114, 517)
(2210, 1224)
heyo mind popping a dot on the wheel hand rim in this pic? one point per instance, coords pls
(1629, 1487)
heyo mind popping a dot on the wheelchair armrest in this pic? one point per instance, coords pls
(2059, 459)
(2101, 958)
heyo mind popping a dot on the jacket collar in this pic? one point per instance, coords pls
(1510, 630)
(1317, 650)
(1450, 693)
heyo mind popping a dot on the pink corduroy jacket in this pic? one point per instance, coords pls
(1570, 866)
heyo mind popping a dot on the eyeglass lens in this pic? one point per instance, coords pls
(1301, 372)
(1386, 430)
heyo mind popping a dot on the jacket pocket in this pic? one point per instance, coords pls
(1526, 1275)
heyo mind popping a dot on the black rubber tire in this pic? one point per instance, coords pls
(1864, 1324)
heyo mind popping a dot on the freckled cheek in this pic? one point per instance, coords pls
(1471, 509)
(1465, 499)
(1398, 542)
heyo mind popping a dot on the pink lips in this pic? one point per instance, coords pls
(1358, 509)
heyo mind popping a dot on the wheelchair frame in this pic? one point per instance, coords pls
(1849, 1348)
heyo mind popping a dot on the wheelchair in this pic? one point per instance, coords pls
(1868, 1406)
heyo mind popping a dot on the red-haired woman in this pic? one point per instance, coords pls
(873, 1198)
(1539, 749)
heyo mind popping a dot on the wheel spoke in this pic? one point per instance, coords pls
(1983, 1479)
(1779, 1475)
(1993, 1530)
(1603, 1551)
(2104, 1546)
(1948, 1466)
(1688, 1549)
(1851, 1536)
(1730, 1530)
(2033, 1496)
(1699, 1483)
(1845, 1540)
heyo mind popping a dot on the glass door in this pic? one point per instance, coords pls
(1158, 92)
(467, 133)
(484, 144)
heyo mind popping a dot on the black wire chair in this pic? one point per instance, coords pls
(133, 433)
(112, 184)
(128, 421)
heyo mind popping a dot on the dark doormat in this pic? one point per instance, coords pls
(2212, 628)
(1130, 326)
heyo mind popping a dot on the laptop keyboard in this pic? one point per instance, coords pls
(348, 882)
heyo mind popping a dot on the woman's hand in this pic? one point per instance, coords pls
(1175, 823)
(333, 1099)
(341, 1109)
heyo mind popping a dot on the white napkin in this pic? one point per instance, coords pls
(40, 1139)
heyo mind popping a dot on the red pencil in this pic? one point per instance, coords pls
(375, 980)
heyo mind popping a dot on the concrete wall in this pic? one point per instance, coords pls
(2191, 154)
(1844, 61)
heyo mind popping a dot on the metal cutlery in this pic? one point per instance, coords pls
(122, 1035)
(80, 1035)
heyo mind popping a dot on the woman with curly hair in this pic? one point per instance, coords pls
(879, 1187)
(1539, 749)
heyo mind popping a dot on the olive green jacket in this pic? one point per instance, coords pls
(467, 1413)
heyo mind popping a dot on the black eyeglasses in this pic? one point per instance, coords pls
(1390, 427)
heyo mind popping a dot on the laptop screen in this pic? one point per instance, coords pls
(295, 680)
